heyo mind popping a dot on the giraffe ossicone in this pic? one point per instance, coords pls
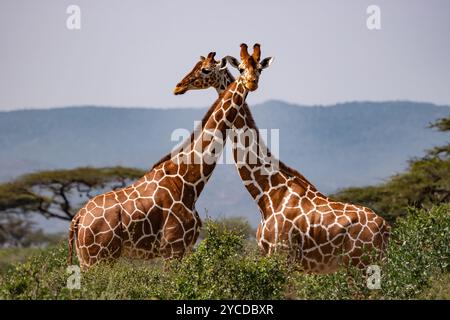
(156, 215)
(321, 234)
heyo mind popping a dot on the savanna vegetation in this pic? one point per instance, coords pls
(227, 265)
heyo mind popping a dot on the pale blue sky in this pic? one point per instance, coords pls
(132, 53)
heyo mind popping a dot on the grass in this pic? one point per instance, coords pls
(227, 266)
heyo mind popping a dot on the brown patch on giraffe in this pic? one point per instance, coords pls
(326, 249)
(320, 201)
(112, 216)
(145, 243)
(314, 254)
(237, 99)
(337, 206)
(163, 198)
(182, 168)
(158, 175)
(189, 237)
(262, 180)
(293, 201)
(291, 213)
(362, 218)
(306, 205)
(199, 187)
(377, 240)
(191, 176)
(157, 219)
(81, 233)
(318, 233)
(334, 230)
(218, 115)
(170, 168)
(88, 236)
(90, 205)
(138, 215)
(239, 122)
(352, 215)
(99, 200)
(150, 175)
(102, 238)
(245, 173)
(277, 196)
(366, 235)
(87, 219)
(115, 245)
(354, 230)
(296, 188)
(343, 221)
(287, 226)
(310, 195)
(188, 198)
(121, 197)
(337, 240)
(146, 227)
(324, 209)
(277, 179)
(126, 219)
(175, 184)
(254, 191)
(328, 218)
(373, 226)
(110, 200)
(227, 104)
(264, 202)
(184, 215)
(231, 114)
(302, 223)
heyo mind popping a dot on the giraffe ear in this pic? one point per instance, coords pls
(223, 64)
(232, 61)
(266, 62)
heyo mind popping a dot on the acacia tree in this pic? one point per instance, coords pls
(425, 183)
(59, 193)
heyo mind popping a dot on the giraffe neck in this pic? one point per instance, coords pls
(225, 78)
(206, 145)
(261, 172)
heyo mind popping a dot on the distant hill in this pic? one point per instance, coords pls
(349, 144)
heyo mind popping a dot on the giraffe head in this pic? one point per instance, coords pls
(250, 66)
(205, 74)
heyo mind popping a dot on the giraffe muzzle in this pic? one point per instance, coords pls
(179, 90)
(251, 86)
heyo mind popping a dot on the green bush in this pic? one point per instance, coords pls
(418, 252)
(226, 266)
(221, 268)
(419, 249)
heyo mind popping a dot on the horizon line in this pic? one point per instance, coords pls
(294, 104)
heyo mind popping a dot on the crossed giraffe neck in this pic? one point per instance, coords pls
(319, 233)
(156, 215)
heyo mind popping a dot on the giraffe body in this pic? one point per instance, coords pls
(156, 215)
(319, 233)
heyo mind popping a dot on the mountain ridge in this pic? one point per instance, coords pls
(350, 144)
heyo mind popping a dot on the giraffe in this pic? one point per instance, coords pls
(156, 215)
(321, 234)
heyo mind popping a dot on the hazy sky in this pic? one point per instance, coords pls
(132, 53)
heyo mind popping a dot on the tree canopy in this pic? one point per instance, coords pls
(425, 182)
(55, 193)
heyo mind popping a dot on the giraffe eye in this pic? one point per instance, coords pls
(205, 71)
(241, 70)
